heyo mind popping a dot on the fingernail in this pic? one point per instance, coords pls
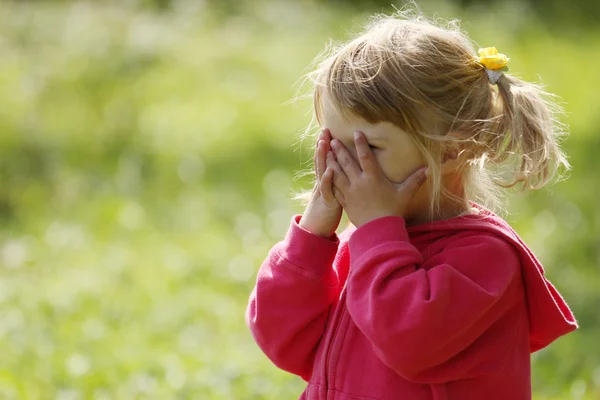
(424, 175)
(356, 135)
(334, 143)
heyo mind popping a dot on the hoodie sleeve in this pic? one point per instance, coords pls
(289, 305)
(420, 317)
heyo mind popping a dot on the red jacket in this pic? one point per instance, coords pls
(444, 311)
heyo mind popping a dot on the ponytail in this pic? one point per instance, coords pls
(423, 78)
(530, 133)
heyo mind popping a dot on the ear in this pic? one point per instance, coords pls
(451, 160)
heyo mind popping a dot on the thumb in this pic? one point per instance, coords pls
(411, 184)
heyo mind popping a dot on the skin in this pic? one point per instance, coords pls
(323, 213)
(363, 188)
(378, 169)
(372, 171)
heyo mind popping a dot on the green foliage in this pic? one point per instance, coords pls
(146, 166)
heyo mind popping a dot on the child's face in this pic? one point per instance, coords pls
(395, 151)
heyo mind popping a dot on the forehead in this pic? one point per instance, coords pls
(343, 124)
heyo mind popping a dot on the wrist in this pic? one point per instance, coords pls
(314, 227)
(372, 217)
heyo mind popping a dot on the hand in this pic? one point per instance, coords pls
(323, 213)
(363, 190)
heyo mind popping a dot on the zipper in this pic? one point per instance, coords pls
(337, 320)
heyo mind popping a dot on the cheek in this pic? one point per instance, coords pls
(391, 166)
(397, 167)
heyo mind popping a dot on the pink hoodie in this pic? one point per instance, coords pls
(444, 311)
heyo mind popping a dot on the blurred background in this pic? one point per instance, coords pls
(147, 159)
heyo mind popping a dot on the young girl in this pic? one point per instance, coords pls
(428, 295)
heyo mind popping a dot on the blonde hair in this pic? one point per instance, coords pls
(420, 76)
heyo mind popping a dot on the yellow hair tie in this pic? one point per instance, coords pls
(495, 64)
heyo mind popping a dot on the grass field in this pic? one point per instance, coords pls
(146, 167)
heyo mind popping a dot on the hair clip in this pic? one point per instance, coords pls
(494, 63)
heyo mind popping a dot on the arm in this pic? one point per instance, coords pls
(420, 318)
(289, 305)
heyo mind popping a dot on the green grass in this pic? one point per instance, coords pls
(146, 166)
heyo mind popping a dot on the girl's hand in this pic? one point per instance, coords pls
(363, 189)
(324, 212)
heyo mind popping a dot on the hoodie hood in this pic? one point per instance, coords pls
(549, 314)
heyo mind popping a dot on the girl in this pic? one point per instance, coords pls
(428, 295)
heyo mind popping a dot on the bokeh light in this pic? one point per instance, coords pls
(147, 159)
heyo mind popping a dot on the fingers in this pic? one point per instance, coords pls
(411, 184)
(339, 177)
(326, 135)
(320, 162)
(345, 160)
(326, 187)
(321, 149)
(366, 158)
(339, 196)
(316, 159)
